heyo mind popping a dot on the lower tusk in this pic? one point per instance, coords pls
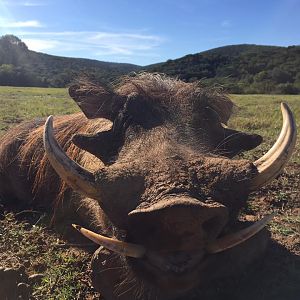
(127, 249)
(234, 239)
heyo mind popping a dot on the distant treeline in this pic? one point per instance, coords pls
(239, 68)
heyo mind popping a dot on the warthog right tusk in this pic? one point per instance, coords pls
(272, 163)
(127, 249)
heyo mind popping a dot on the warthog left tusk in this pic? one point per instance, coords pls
(72, 173)
(127, 249)
(234, 239)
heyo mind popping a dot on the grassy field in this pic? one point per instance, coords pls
(19, 104)
(254, 113)
(26, 240)
(261, 114)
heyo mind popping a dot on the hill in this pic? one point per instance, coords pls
(240, 68)
(20, 66)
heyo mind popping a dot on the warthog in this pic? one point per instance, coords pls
(148, 166)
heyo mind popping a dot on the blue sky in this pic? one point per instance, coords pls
(147, 31)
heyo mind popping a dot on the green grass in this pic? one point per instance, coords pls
(261, 114)
(19, 104)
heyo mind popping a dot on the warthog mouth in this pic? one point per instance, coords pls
(170, 270)
(174, 269)
(177, 262)
(139, 251)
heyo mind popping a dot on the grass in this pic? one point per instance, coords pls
(65, 269)
(261, 114)
(288, 225)
(19, 104)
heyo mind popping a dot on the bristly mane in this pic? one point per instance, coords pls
(176, 94)
(159, 89)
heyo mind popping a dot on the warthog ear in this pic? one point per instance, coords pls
(106, 144)
(227, 141)
(101, 144)
(234, 142)
(96, 101)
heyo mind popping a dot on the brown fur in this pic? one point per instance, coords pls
(22, 150)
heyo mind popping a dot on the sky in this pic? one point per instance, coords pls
(148, 31)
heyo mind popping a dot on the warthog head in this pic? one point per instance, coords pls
(167, 184)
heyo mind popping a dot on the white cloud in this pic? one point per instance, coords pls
(40, 45)
(24, 3)
(94, 43)
(31, 4)
(21, 24)
(122, 43)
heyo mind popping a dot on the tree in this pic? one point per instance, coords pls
(281, 76)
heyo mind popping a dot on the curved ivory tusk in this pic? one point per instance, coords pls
(72, 173)
(272, 163)
(127, 249)
(239, 237)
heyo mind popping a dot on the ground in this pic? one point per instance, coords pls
(61, 270)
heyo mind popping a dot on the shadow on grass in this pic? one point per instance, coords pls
(275, 277)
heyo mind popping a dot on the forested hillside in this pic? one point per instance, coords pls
(241, 68)
(20, 66)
